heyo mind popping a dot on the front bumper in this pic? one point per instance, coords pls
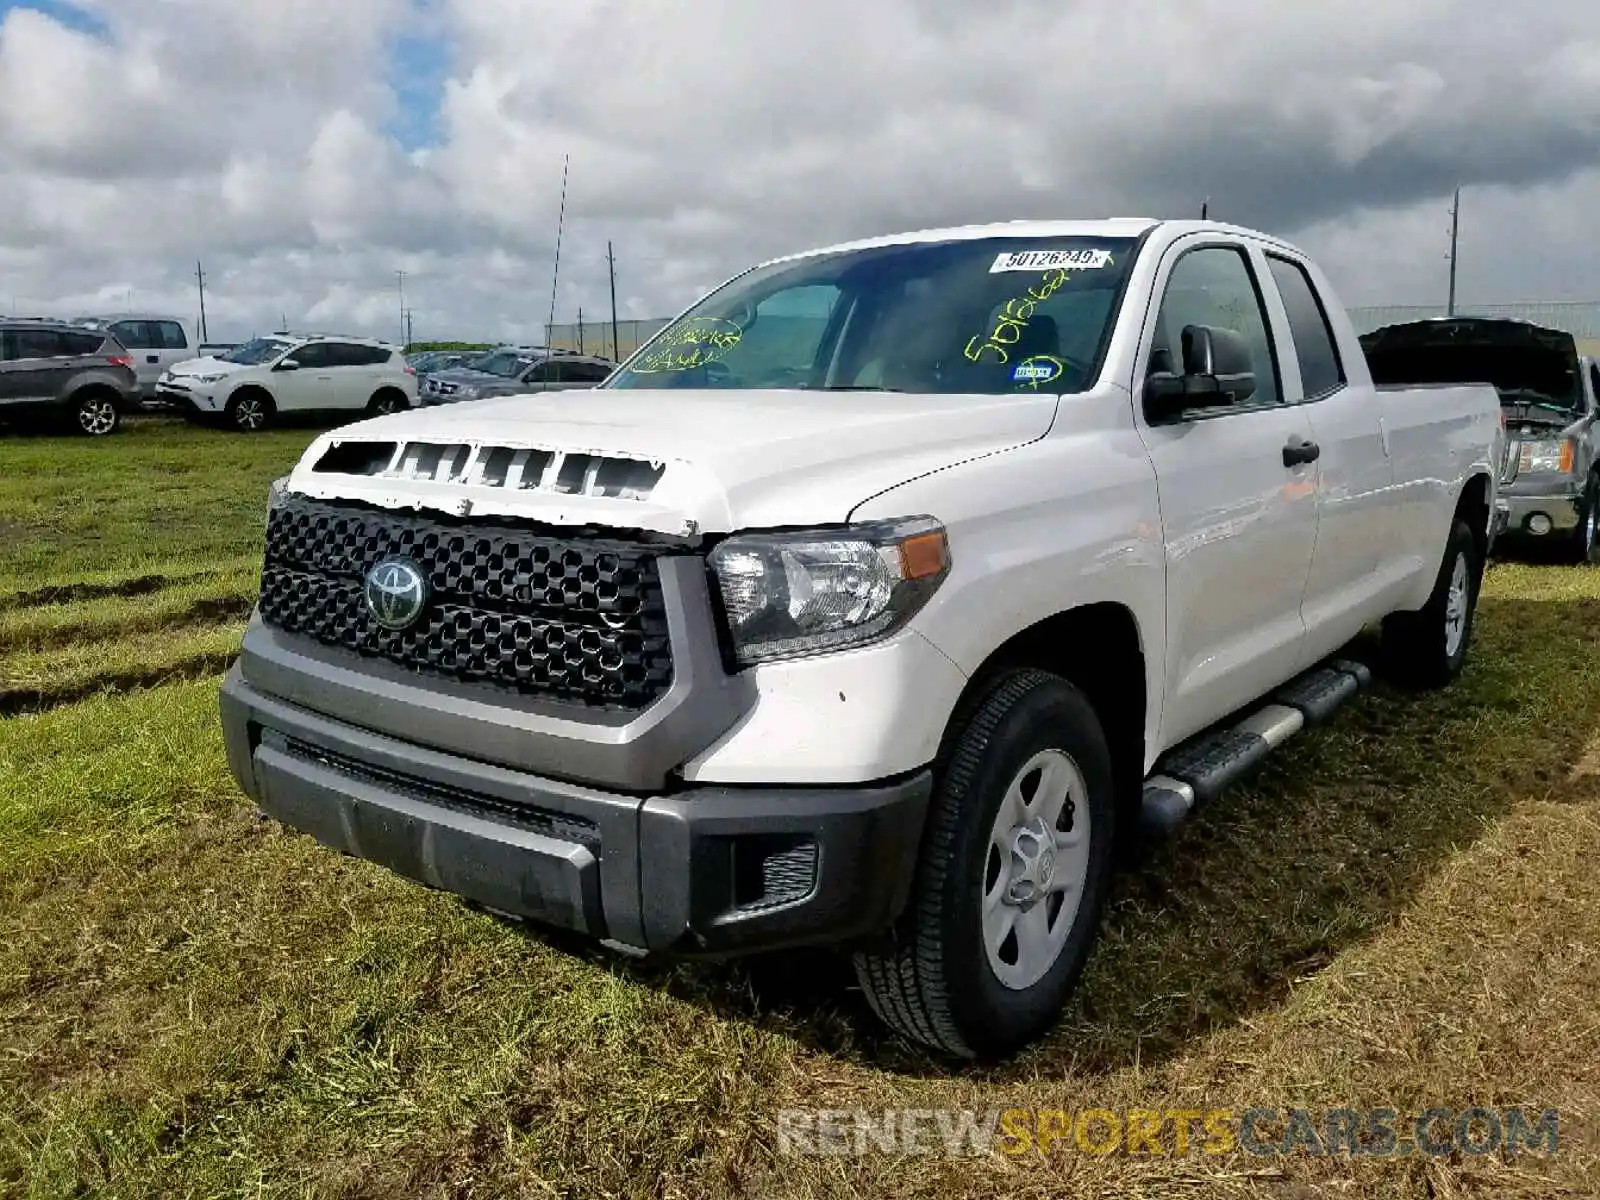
(708, 871)
(1561, 505)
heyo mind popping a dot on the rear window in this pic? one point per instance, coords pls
(1321, 372)
(81, 343)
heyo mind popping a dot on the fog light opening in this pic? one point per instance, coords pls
(1538, 524)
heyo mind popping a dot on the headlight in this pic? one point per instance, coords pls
(1545, 457)
(792, 594)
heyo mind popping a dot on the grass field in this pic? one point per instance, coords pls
(1402, 910)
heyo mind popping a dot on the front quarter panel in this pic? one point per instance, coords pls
(1067, 521)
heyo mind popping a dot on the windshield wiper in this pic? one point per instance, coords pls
(856, 387)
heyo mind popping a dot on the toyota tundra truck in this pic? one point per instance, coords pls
(866, 604)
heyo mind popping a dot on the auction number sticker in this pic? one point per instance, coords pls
(1047, 260)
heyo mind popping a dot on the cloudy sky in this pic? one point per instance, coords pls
(306, 150)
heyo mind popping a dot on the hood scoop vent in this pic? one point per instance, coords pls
(514, 468)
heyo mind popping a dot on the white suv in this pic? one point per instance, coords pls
(283, 372)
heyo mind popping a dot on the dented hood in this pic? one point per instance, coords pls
(679, 463)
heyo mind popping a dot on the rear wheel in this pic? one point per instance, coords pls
(249, 410)
(94, 413)
(1015, 864)
(387, 400)
(1428, 648)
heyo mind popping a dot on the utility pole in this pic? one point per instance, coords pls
(401, 276)
(1455, 231)
(580, 329)
(409, 336)
(611, 265)
(1205, 207)
(555, 275)
(200, 278)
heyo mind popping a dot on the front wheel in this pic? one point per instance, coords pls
(249, 411)
(1015, 864)
(1428, 648)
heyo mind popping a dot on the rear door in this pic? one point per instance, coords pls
(353, 371)
(1239, 521)
(1354, 568)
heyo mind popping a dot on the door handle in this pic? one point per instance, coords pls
(1300, 450)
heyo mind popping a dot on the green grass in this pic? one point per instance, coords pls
(1402, 909)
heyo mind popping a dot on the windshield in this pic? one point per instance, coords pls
(989, 315)
(256, 351)
(507, 364)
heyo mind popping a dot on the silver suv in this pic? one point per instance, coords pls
(515, 371)
(56, 369)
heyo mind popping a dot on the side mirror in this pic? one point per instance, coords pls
(287, 364)
(1217, 370)
(1221, 357)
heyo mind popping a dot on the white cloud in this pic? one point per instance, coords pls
(704, 136)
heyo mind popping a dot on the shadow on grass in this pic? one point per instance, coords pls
(1326, 845)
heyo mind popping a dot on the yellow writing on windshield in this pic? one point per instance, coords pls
(693, 343)
(1014, 318)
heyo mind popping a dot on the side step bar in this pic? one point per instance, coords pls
(1193, 773)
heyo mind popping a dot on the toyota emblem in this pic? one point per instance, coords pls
(396, 592)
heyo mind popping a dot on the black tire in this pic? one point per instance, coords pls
(1586, 538)
(95, 413)
(1421, 648)
(931, 978)
(387, 400)
(249, 410)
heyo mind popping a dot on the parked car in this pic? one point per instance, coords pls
(249, 386)
(1550, 479)
(430, 361)
(55, 369)
(511, 371)
(155, 343)
(865, 603)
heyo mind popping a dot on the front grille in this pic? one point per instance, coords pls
(574, 619)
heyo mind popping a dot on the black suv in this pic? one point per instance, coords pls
(55, 369)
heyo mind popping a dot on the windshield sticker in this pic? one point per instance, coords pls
(1014, 317)
(1044, 260)
(1041, 368)
(694, 343)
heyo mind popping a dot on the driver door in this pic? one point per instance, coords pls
(1238, 523)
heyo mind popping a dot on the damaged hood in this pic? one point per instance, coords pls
(678, 463)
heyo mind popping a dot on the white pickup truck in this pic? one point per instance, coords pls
(865, 604)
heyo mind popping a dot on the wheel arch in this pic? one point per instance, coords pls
(1100, 649)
